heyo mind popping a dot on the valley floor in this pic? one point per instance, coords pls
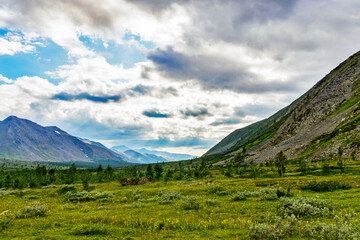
(190, 209)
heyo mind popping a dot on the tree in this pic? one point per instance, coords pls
(99, 169)
(280, 161)
(149, 172)
(158, 171)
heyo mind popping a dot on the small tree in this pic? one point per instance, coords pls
(149, 172)
(158, 171)
(280, 161)
(303, 167)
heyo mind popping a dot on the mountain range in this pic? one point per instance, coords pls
(144, 155)
(21, 139)
(321, 124)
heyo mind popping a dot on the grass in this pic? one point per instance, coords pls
(209, 208)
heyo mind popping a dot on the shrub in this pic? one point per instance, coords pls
(219, 190)
(212, 202)
(279, 230)
(166, 197)
(190, 203)
(268, 194)
(336, 231)
(66, 189)
(32, 211)
(89, 196)
(325, 186)
(89, 230)
(134, 195)
(3, 193)
(304, 207)
(240, 196)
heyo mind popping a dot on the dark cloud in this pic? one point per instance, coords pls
(214, 73)
(156, 114)
(140, 90)
(85, 96)
(229, 121)
(195, 112)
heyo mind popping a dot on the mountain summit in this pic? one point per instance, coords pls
(321, 124)
(21, 139)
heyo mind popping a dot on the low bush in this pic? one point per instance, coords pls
(325, 186)
(134, 195)
(339, 230)
(268, 194)
(166, 197)
(89, 196)
(218, 190)
(190, 203)
(280, 229)
(87, 230)
(66, 189)
(304, 207)
(212, 202)
(240, 196)
(32, 211)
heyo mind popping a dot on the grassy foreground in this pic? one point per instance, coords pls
(211, 208)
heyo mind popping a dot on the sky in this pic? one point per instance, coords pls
(168, 75)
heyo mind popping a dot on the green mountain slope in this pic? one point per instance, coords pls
(316, 125)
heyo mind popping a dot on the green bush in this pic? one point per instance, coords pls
(32, 211)
(336, 231)
(240, 196)
(134, 195)
(268, 194)
(325, 186)
(190, 203)
(218, 190)
(212, 202)
(166, 197)
(304, 207)
(89, 230)
(66, 189)
(280, 229)
(89, 196)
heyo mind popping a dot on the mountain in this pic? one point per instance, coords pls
(144, 158)
(21, 139)
(144, 155)
(321, 124)
(167, 155)
(121, 148)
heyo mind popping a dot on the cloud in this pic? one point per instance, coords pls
(156, 114)
(5, 79)
(195, 112)
(11, 47)
(85, 96)
(229, 121)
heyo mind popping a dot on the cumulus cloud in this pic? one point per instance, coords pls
(215, 65)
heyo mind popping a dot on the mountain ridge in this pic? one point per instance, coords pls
(22, 139)
(297, 129)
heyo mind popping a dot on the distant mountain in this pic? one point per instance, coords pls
(121, 148)
(21, 139)
(321, 124)
(144, 155)
(167, 155)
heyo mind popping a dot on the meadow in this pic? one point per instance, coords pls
(228, 202)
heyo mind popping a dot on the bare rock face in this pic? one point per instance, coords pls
(314, 126)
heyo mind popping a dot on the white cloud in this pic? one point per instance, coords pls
(15, 46)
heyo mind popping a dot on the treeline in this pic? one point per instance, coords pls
(44, 175)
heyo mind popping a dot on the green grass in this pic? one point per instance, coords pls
(184, 209)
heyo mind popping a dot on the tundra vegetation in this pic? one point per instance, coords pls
(194, 199)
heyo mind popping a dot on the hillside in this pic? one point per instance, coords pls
(315, 126)
(21, 139)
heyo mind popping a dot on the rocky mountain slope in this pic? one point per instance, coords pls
(315, 126)
(21, 139)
